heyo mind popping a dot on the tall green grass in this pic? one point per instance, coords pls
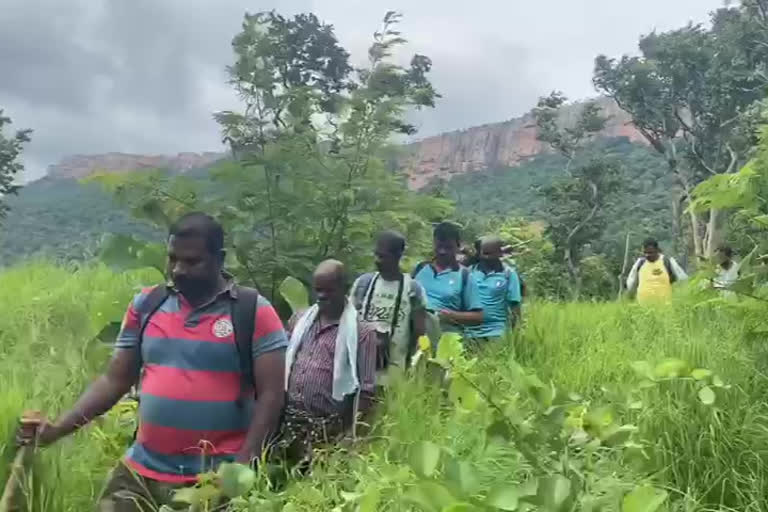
(708, 458)
(49, 317)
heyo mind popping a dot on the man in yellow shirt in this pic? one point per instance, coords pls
(653, 274)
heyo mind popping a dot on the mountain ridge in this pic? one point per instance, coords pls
(476, 148)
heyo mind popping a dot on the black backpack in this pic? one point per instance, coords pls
(243, 321)
(464, 279)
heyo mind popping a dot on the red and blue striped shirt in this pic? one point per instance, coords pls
(189, 418)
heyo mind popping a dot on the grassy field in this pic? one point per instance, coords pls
(431, 450)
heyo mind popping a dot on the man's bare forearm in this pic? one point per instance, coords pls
(266, 416)
(463, 317)
(100, 397)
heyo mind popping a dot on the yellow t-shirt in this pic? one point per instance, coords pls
(653, 282)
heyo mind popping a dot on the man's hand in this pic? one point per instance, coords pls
(447, 315)
(461, 317)
(34, 428)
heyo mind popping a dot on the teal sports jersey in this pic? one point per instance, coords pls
(443, 291)
(498, 292)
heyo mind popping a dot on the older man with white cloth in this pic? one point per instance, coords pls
(330, 366)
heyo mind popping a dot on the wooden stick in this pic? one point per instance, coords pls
(13, 494)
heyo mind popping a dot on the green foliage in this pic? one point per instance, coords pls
(128, 252)
(744, 195)
(296, 192)
(10, 149)
(295, 294)
(693, 93)
(642, 206)
(64, 221)
(643, 499)
(555, 417)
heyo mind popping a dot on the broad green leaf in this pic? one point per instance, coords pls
(196, 495)
(542, 393)
(553, 493)
(187, 495)
(236, 479)
(294, 293)
(424, 344)
(449, 348)
(643, 369)
(643, 499)
(598, 420)
(718, 382)
(463, 475)
(430, 497)
(350, 497)
(424, 458)
(706, 395)
(504, 497)
(370, 500)
(463, 394)
(615, 435)
(528, 490)
(125, 252)
(670, 368)
(701, 373)
(499, 430)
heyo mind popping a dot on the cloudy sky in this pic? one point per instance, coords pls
(144, 76)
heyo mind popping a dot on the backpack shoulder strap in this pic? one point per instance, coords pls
(418, 268)
(361, 290)
(464, 279)
(668, 266)
(149, 306)
(244, 325)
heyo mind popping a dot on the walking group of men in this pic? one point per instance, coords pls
(221, 379)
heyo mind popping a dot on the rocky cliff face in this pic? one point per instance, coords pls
(79, 166)
(474, 149)
(495, 145)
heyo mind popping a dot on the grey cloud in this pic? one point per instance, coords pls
(144, 76)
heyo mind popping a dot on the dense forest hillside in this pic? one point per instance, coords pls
(643, 205)
(64, 219)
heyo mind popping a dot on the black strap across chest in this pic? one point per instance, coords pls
(398, 300)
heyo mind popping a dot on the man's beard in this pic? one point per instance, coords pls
(192, 287)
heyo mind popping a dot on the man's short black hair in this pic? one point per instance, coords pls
(394, 241)
(446, 231)
(726, 249)
(200, 225)
(650, 242)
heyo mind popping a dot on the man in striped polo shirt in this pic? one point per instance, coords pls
(193, 413)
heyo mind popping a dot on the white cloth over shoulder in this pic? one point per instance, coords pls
(726, 277)
(345, 380)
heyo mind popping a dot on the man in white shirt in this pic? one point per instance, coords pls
(393, 302)
(727, 269)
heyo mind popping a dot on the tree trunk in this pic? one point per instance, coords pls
(625, 264)
(680, 243)
(572, 269)
(698, 242)
(713, 234)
